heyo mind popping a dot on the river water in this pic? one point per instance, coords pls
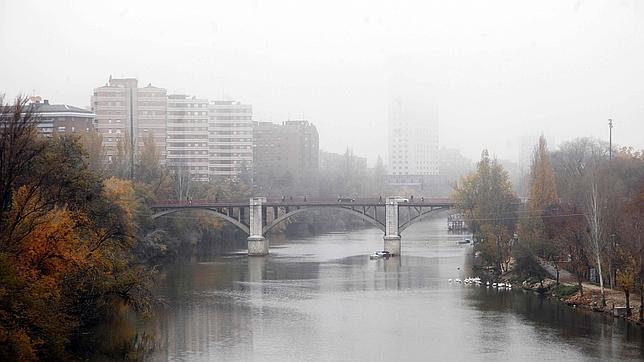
(322, 299)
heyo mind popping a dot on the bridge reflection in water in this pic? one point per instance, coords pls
(257, 217)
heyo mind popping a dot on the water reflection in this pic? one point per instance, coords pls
(321, 298)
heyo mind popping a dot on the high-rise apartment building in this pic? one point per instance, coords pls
(230, 138)
(113, 105)
(122, 109)
(291, 148)
(151, 118)
(210, 139)
(187, 135)
(413, 139)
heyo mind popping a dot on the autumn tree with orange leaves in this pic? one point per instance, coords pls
(65, 260)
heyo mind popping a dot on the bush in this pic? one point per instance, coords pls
(565, 290)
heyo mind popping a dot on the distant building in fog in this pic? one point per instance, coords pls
(230, 136)
(330, 161)
(122, 108)
(413, 147)
(290, 149)
(187, 141)
(413, 139)
(59, 119)
(452, 164)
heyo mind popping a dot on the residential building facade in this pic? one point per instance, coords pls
(187, 135)
(413, 139)
(60, 119)
(122, 109)
(230, 138)
(288, 149)
(152, 118)
(183, 128)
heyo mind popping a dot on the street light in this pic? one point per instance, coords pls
(610, 139)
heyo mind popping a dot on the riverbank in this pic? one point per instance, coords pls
(568, 291)
(588, 298)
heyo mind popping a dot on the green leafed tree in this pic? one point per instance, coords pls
(486, 199)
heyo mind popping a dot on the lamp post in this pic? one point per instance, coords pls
(610, 139)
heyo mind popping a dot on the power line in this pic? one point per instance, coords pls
(526, 218)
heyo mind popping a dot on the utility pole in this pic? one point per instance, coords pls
(610, 139)
(131, 134)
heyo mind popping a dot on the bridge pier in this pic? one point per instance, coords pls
(392, 234)
(257, 243)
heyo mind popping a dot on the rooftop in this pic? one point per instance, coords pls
(46, 107)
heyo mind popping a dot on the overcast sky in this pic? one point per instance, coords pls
(495, 70)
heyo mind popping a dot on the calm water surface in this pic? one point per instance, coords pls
(322, 299)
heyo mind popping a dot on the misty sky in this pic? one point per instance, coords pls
(496, 72)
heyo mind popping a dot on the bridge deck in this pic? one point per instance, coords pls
(293, 203)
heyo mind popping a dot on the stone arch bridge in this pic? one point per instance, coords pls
(257, 217)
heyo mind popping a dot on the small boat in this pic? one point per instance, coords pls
(380, 254)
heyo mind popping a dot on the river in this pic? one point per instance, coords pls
(321, 299)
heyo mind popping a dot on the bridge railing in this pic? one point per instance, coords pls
(301, 201)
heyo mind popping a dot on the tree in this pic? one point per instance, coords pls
(632, 230)
(182, 181)
(543, 191)
(566, 225)
(148, 168)
(66, 243)
(578, 167)
(486, 198)
(120, 164)
(19, 146)
(543, 195)
(594, 207)
(93, 145)
(627, 279)
(379, 173)
(150, 172)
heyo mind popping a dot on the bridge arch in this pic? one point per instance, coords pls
(411, 221)
(215, 213)
(364, 217)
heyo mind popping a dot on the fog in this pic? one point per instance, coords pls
(495, 72)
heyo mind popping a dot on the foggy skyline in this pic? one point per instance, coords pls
(495, 72)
